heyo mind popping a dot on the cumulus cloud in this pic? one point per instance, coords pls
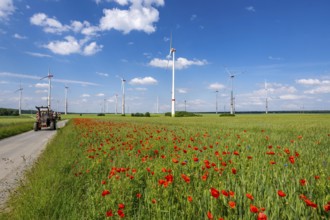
(6, 9)
(20, 37)
(41, 85)
(50, 25)
(250, 8)
(37, 54)
(291, 97)
(216, 86)
(72, 46)
(312, 82)
(100, 95)
(143, 81)
(182, 90)
(318, 86)
(180, 63)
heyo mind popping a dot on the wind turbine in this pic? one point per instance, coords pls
(116, 95)
(49, 76)
(123, 96)
(172, 53)
(216, 101)
(266, 88)
(20, 99)
(66, 99)
(232, 98)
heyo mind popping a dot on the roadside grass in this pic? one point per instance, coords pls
(13, 125)
(95, 165)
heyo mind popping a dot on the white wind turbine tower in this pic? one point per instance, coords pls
(266, 88)
(172, 53)
(20, 99)
(66, 99)
(232, 98)
(116, 95)
(123, 96)
(49, 76)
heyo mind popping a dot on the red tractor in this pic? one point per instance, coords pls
(45, 118)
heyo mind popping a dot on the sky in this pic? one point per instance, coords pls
(277, 51)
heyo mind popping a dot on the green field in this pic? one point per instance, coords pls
(208, 167)
(12, 125)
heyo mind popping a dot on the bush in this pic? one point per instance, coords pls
(147, 114)
(226, 115)
(100, 114)
(182, 114)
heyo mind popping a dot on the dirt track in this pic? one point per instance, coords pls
(17, 154)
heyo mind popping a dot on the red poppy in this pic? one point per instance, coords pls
(317, 177)
(225, 193)
(291, 158)
(310, 203)
(103, 182)
(121, 213)
(232, 204)
(281, 193)
(174, 160)
(231, 193)
(253, 209)
(249, 196)
(186, 178)
(190, 199)
(138, 195)
(302, 182)
(121, 206)
(153, 201)
(327, 207)
(215, 193)
(109, 213)
(209, 215)
(233, 170)
(262, 216)
(105, 192)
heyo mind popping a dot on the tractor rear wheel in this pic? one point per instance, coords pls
(35, 126)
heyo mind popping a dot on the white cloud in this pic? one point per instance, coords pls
(69, 46)
(216, 86)
(141, 89)
(100, 95)
(41, 91)
(6, 9)
(250, 8)
(291, 97)
(50, 25)
(41, 85)
(37, 54)
(320, 86)
(312, 82)
(85, 95)
(140, 16)
(102, 74)
(143, 81)
(182, 90)
(319, 90)
(20, 37)
(92, 49)
(180, 63)
(274, 58)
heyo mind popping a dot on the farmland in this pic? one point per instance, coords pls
(243, 167)
(12, 125)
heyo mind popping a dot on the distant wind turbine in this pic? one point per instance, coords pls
(172, 53)
(123, 96)
(66, 99)
(49, 76)
(20, 99)
(266, 88)
(232, 98)
(116, 95)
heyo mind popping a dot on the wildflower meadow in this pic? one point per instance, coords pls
(246, 167)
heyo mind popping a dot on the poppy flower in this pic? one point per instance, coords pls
(233, 170)
(105, 192)
(231, 193)
(291, 158)
(302, 182)
(310, 203)
(262, 216)
(121, 206)
(327, 207)
(281, 193)
(253, 209)
(209, 215)
(121, 213)
(109, 213)
(153, 201)
(174, 160)
(138, 195)
(215, 193)
(225, 193)
(190, 199)
(232, 204)
(249, 196)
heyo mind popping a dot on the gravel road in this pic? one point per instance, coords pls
(17, 154)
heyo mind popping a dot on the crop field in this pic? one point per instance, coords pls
(243, 167)
(12, 125)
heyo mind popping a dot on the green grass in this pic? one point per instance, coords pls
(13, 125)
(130, 156)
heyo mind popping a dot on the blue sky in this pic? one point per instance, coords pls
(89, 45)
